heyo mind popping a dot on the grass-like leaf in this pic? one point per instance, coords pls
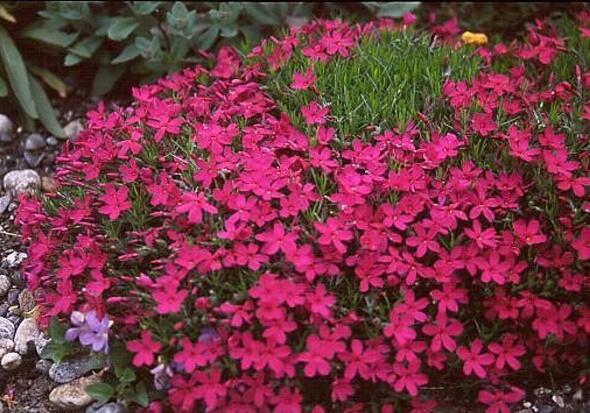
(45, 110)
(17, 73)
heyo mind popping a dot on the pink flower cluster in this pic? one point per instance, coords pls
(320, 273)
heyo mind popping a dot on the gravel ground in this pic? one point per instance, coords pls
(25, 389)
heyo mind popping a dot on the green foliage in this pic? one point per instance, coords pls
(122, 382)
(578, 51)
(390, 8)
(15, 70)
(150, 39)
(58, 348)
(387, 83)
(3, 88)
(101, 392)
(19, 85)
(44, 108)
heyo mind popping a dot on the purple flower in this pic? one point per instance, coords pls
(90, 330)
(78, 320)
(208, 335)
(162, 374)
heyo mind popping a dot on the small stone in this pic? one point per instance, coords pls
(33, 159)
(107, 408)
(11, 361)
(5, 138)
(15, 309)
(6, 346)
(51, 141)
(558, 400)
(72, 396)
(67, 371)
(26, 333)
(73, 129)
(48, 184)
(12, 297)
(16, 182)
(578, 395)
(26, 301)
(43, 366)
(4, 309)
(17, 280)
(93, 407)
(6, 129)
(541, 391)
(34, 142)
(7, 329)
(5, 285)
(14, 259)
(4, 203)
(40, 343)
(545, 409)
(14, 319)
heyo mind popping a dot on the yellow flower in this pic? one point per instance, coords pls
(474, 38)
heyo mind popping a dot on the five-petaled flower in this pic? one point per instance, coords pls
(529, 232)
(314, 114)
(473, 360)
(442, 332)
(194, 204)
(115, 201)
(507, 352)
(302, 81)
(144, 349)
(333, 233)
